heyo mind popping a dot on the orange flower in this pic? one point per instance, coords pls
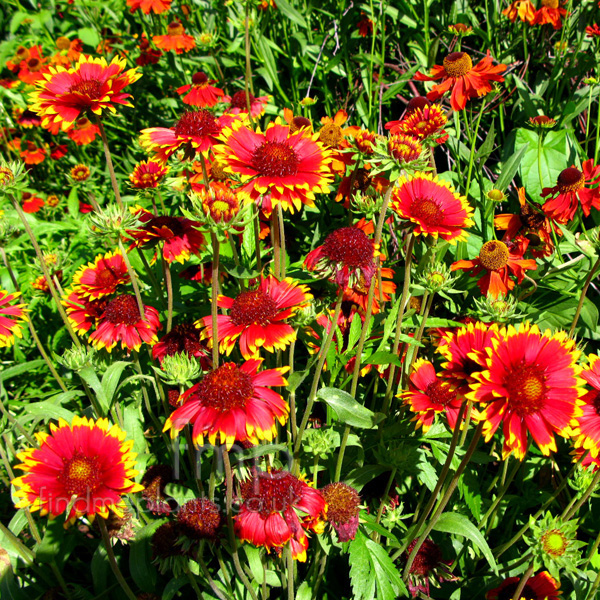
(175, 39)
(499, 262)
(32, 155)
(424, 123)
(84, 132)
(102, 277)
(523, 9)
(365, 25)
(550, 13)
(147, 6)
(465, 80)
(147, 174)
(201, 91)
(31, 203)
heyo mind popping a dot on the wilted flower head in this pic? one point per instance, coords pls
(343, 506)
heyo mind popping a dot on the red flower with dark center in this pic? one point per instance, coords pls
(232, 403)
(11, 317)
(498, 262)
(199, 519)
(148, 6)
(271, 514)
(31, 203)
(201, 91)
(182, 338)
(195, 132)
(121, 321)
(429, 394)
(83, 468)
(465, 81)
(84, 132)
(539, 587)
(427, 563)
(32, 155)
(343, 507)
(238, 104)
(28, 119)
(82, 312)
(347, 257)
(365, 26)
(290, 167)
(175, 39)
(257, 317)
(592, 30)
(530, 383)
(573, 188)
(102, 277)
(421, 122)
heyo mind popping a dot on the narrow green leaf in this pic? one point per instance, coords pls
(100, 569)
(88, 374)
(142, 570)
(348, 410)
(509, 169)
(291, 13)
(110, 379)
(27, 367)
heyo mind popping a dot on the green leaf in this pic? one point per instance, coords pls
(142, 570)
(354, 334)
(73, 202)
(361, 574)
(52, 542)
(304, 592)
(88, 374)
(459, 525)
(384, 358)
(389, 582)
(100, 568)
(486, 148)
(509, 169)
(110, 379)
(89, 36)
(173, 587)
(27, 367)
(348, 410)
(180, 493)
(291, 13)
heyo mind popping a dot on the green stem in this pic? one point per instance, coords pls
(193, 583)
(213, 586)
(492, 509)
(169, 286)
(290, 573)
(109, 163)
(134, 280)
(472, 153)
(256, 224)
(386, 493)
(523, 582)
(282, 264)
(569, 512)
(214, 294)
(595, 587)
(539, 158)
(584, 290)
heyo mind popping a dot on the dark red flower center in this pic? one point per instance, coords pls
(349, 246)
(123, 310)
(440, 393)
(275, 159)
(342, 502)
(92, 88)
(428, 557)
(272, 492)
(34, 64)
(417, 102)
(107, 277)
(427, 211)
(197, 123)
(80, 475)
(225, 388)
(494, 255)
(200, 78)
(83, 123)
(526, 389)
(165, 227)
(457, 64)
(199, 518)
(508, 591)
(253, 308)
(299, 122)
(238, 100)
(570, 180)
(182, 338)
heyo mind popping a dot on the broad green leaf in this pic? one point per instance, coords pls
(459, 525)
(142, 570)
(384, 358)
(354, 334)
(88, 36)
(27, 367)
(389, 582)
(361, 574)
(110, 379)
(88, 374)
(348, 410)
(172, 588)
(180, 493)
(100, 569)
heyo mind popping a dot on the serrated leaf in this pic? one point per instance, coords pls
(179, 493)
(362, 577)
(389, 581)
(348, 410)
(354, 333)
(459, 525)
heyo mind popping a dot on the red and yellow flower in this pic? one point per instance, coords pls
(90, 86)
(232, 403)
(498, 261)
(256, 317)
(422, 122)
(84, 468)
(83, 313)
(80, 173)
(271, 514)
(102, 277)
(148, 6)
(404, 148)
(201, 92)
(587, 433)
(430, 394)
(175, 39)
(31, 203)
(31, 154)
(147, 174)
(290, 167)
(523, 9)
(550, 13)
(433, 205)
(531, 385)
(465, 80)
(539, 587)
(11, 317)
(572, 189)
(84, 132)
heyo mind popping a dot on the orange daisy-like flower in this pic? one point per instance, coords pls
(32, 155)
(433, 205)
(530, 224)
(347, 257)
(11, 316)
(195, 132)
(238, 104)
(587, 433)
(523, 9)
(179, 236)
(255, 317)
(531, 384)
(80, 173)
(31, 203)
(201, 91)
(365, 26)
(272, 512)
(539, 587)
(404, 148)
(592, 31)
(90, 86)
(147, 174)
(221, 203)
(84, 468)
(430, 394)
(148, 6)
(84, 132)
(382, 293)
(28, 119)
(232, 403)
(121, 321)
(102, 277)
(290, 167)
(33, 68)
(465, 80)
(550, 13)
(176, 39)
(423, 122)
(571, 189)
(499, 262)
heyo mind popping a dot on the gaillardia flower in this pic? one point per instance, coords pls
(148, 6)
(201, 92)
(199, 519)
(175, 39)
(531, 384)
(11, 317)
(84, 132)
(550, 12)
(587, 432)
(102, 277)
(290, 167)
(423, 122)
(430, 394)
(433, 205)
(539, 587)
(85, 466)
(465, 80)
(499, 262)
(271, 514)
(147, 174)
(427, 565)
(256, 317)
(573, 188)
(184, 337)
(343, 507)
(232, 403)
(90, 87)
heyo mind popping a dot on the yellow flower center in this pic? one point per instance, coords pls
(550, 3)
(63, 43)
(493, 255)
(458, 64)
(570, 180)
(554, 542)
(175, 28)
